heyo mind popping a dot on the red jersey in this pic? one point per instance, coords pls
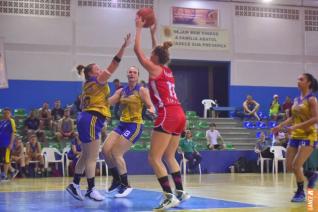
(162, 90)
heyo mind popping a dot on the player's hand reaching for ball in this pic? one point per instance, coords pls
(153, 28)
(139, 22)
(127, 40)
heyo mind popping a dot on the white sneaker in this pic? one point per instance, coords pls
(75, 191)
(182, 195)
(94, 195)
(170, 201)
(123, 191)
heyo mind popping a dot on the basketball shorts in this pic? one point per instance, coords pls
(130, 131)
(5, 155)
(171, 120)
(89, 126)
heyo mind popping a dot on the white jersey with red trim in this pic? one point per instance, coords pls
(162, 89)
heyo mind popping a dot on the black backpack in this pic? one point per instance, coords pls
(241, 165)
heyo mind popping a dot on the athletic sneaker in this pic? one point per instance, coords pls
(14, 173)
(182, 195)
(94, 195)
(312, 180)
(4, 179)
(114, 186)
(75, 191)
(299, 197)
(169, 201)
(123, 191)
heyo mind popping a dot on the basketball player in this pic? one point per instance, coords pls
(131, 99)
(301, 126)
(171, 120)
(95, 110)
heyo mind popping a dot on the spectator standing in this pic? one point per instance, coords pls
(274, 108)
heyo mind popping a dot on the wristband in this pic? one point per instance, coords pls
(117, 59)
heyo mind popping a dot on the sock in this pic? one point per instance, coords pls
(77, 179)
(176, 176)
(91, 183)
(165, 185)
(124, 179)
(300, 186)
(114, 172)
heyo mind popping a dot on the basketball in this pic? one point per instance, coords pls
(147, 15)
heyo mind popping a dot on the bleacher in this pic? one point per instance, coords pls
(237, 134)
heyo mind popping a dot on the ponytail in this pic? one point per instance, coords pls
(313, 82)
(86, 69)
(167, 44)
(162, 52)
(80, 69)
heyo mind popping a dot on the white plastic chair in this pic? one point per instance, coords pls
(183, 165)
(49, 157)
(278, 152)
(261, 161)
(207, 104)
(67, 161)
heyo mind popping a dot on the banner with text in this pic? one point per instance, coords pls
(195, 17)
(3, 73)
(196, 38)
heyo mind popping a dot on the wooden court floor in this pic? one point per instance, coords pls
(269, 192)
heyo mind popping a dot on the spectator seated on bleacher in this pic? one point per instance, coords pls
(250, 107)
(33, 153)
(57, 113)
(274, 108)
(188, 147)
(66, 129)
(213, 137)
(286, 107)
(45, 116)
(32, 124)
(74, 153)
(18, 156)
(263, 146)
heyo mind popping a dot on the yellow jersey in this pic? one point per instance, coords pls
(131, 105)
(301, 112)
(94, 97)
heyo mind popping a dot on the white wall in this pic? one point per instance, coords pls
(262, 50)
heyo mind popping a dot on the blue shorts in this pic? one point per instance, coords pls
(89, 126)
(298, 142)
(130, 131)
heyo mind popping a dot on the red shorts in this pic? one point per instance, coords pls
(171, 119)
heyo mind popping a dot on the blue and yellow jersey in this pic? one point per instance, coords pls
(7, 128)
(94, 97)
(301, 112)
(131, 105)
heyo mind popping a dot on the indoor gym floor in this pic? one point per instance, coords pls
(210, 192)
